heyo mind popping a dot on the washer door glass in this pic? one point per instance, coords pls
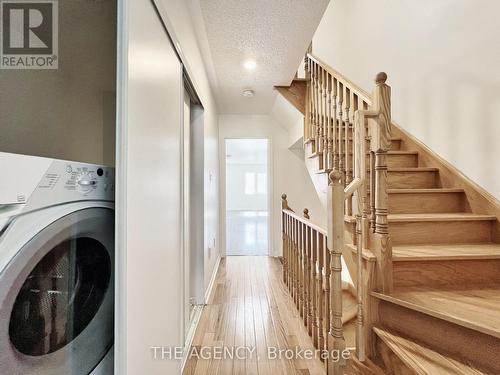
(57, 293)
(60, 296)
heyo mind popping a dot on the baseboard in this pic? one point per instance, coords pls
(190, 335)
(197, 315)
(212, 279)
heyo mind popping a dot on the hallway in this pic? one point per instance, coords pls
(250, 307)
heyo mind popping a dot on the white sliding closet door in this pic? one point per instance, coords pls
(149, 193)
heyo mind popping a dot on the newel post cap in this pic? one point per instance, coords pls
(335, 176)
(381, 78)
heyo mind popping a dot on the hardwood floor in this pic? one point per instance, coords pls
(251, 307)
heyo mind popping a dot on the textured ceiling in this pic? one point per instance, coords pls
(274, 33)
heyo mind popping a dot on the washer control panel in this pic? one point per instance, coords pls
(66, 181)
(87, 179)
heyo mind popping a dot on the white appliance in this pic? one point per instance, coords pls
(56, 267)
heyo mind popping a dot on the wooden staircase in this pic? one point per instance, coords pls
(441, 314)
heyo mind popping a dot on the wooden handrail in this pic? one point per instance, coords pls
(358, 90)
(305, 221)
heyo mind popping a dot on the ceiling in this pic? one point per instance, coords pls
(273, 33)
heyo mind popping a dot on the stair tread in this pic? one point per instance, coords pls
(394, 169)
(454, 216)
(446, 252)
(413, 169)
(475, 308)
(367, 253)
(424, 191)
(421, 359)
(409, 253)
(395, 152)
(310, 140)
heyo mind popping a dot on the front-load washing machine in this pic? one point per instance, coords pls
(56, 267)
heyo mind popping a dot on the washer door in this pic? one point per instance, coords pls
(57, 297)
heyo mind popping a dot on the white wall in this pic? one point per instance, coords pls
(290, 118)
(287, 168)
(68, 113)
(443, 63)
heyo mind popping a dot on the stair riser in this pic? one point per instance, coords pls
(395, 145)
(404, 160)
(446, 273)
(420, 203)
(440, 232)
(470, 346)
(413, 180)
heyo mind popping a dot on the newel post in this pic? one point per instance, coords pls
(335, 245)
(380, 144)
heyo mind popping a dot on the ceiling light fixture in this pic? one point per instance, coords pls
(248, 93)
(250, 64)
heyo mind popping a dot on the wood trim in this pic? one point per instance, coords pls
(295, 94)
(342, 79)
(305, 221)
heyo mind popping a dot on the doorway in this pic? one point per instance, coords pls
(247, 196)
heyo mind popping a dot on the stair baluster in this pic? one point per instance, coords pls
(313, 100)
(304, 272)
(348, 134)
(284, 218)
(328, 161)
(307, 107)
(340, 130)
(300, 236)
(316, 107)
(324, 100)
(335, 126)
(321, 105)
(294, 260)
(321, 301)
(316, 270)
(308, 316)
(325, 288)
